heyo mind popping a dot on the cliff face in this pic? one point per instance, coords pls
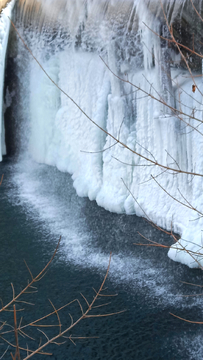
(143, 111)
(3, 3)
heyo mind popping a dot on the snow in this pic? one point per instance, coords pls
(4, 33)
(102, 169)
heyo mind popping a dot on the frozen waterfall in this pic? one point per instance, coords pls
(71, 39)
(4, 33)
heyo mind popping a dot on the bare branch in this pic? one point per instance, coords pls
(189, 321)
(31, 283)
(16, 333)
(57, 314)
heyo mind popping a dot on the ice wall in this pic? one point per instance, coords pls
(4, 33)
(70, 47)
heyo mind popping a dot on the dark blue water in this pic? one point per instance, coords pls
(38, 204)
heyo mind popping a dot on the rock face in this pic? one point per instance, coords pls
(72, 15)
(3, 3)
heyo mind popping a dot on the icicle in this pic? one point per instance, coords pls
(202, 70)
(165, 72)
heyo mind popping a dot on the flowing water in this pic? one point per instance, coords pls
(41, 204)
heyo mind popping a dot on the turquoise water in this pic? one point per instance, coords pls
(38, 204)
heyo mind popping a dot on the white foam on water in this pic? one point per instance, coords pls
(36, 188)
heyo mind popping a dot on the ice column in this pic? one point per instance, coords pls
(4, 33)
(165, 71)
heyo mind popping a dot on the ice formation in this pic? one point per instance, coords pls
(4, 33)
(71, 42)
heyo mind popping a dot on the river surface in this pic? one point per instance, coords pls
(38, 205)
